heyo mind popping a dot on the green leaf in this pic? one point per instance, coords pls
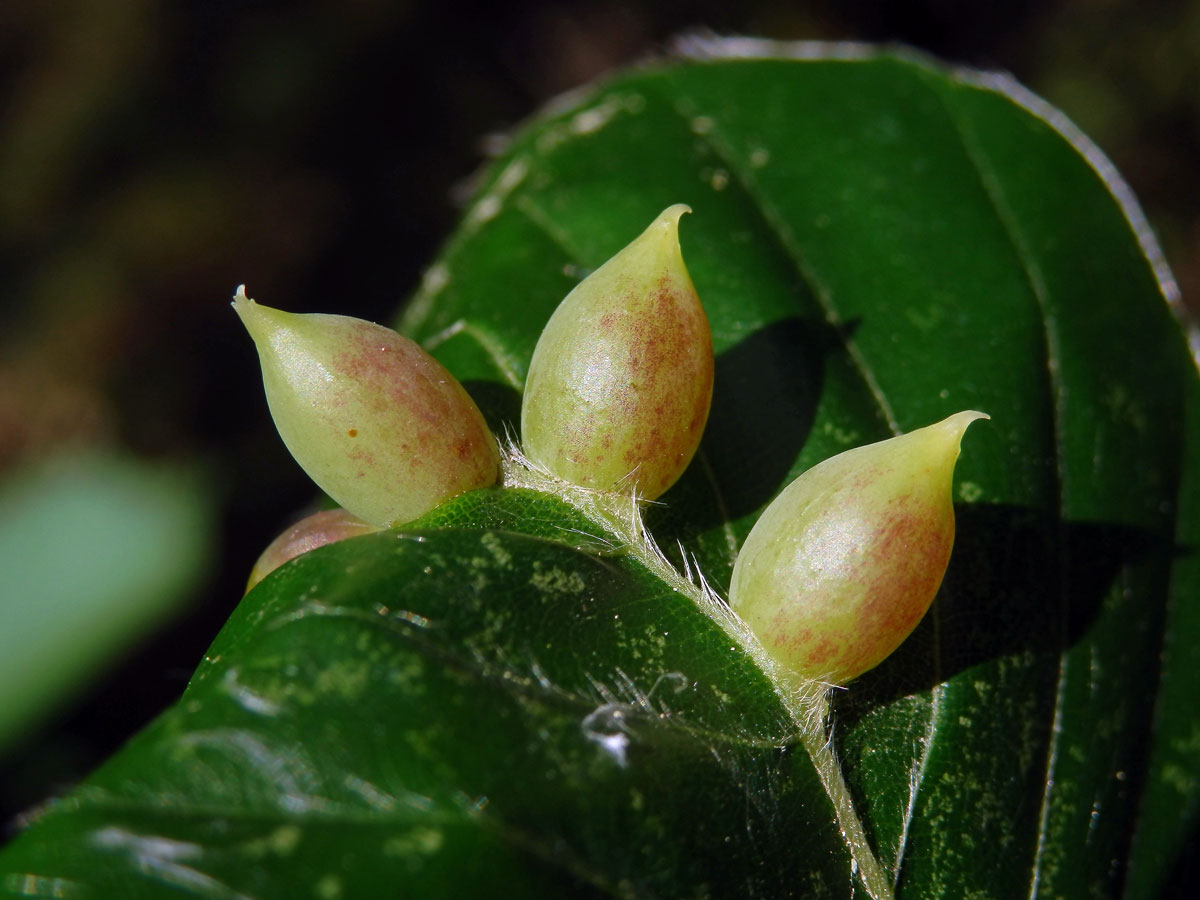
(95, 549)
(514, 697)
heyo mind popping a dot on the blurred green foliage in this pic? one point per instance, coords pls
(95, 549)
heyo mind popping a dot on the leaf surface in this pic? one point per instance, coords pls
(500, 700)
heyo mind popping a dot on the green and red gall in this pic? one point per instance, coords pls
(373, 419)
(620, 382)
(309, 533)
(844, 563)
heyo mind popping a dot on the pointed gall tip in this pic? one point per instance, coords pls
(668, 222)
(659, 245)
(261, 320)
(971, 415)
(955, 426)
(240, 300)
(673, 213)
(245, 307)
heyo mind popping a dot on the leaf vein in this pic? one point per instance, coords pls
(773, 222)
(505, 361)
(993, 190)
(538, 217)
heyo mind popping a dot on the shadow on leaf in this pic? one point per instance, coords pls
(765, 396)
(499, 403)
(1018, 582)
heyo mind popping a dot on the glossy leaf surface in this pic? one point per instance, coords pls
(499, 702)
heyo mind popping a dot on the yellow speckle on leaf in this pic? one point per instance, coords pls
(422, 841)
(328, 888)
(556, 581)
(493, 545)
(285, 839)
(969, 492)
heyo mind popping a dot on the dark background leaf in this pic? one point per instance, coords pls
(878, 245)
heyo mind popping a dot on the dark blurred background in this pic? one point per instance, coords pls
(155, 154)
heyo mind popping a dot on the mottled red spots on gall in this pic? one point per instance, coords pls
(821, 653)
(619, 372)
(867, 536)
